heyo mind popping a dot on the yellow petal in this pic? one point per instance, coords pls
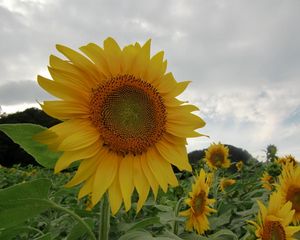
(67, 158)
(128, 59)
(174, 154)
(46, 137)
(149, 175)
(177, 116)
(79, 60)
(115, 195)
(142, 60)
(96, 54)
(140, 182)
(79, 140)
(86, 169)
(181, 86)
(87, 187)
(155, 69)
(263, 209)
(65, 110)
(61, 91)
(71, 79)
(126, 179)
(167, 83)
(157, 168)
(104, 175)
(182, 131)
(113, 55)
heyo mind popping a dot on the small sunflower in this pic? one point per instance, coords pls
(267, 181)
(199, 204)
(121, 120)
(226, 182)
(289, 186)
(239, 165)
(216, 156)
(273, 222)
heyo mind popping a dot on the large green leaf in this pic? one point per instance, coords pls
(22, 134)
(23, 201)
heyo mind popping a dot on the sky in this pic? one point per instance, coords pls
(242, 56)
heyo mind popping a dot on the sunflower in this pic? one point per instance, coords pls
(199, 204)
(289, 186)
(226, 182)
(273, 222)
(216, 156)
(267, 181)
(121, 120)
(239, 165)
(288, 159)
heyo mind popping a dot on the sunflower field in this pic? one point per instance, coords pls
(36, 205)
(116, 165)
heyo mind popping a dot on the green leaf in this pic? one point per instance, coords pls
(218, 221)
(78, 230)
(137, 235)
(23, 201)
(11, 233)
(223, 235)
(22, 134)
(44, 237)
(140, 224)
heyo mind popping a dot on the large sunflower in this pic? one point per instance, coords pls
(289, 186)
(216, 156)
(121, 119)
(199, 204)
(273, 222)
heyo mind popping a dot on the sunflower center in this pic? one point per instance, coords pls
(199, 203)
(293, 195)
(273, 230)
(129, 114)
(217, 159)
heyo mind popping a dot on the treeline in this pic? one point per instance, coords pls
(11, 153)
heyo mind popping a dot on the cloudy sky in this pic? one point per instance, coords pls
(243, 57)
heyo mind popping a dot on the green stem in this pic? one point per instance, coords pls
(176, 211)
(104, 223)
(79, 219)
(216, 185)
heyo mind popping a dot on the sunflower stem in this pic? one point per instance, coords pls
(176, 211)
(104, 221)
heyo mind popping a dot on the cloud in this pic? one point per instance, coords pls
(12, 93)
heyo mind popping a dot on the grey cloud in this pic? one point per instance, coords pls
(21, 92)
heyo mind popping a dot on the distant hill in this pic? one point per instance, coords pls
(235, 154)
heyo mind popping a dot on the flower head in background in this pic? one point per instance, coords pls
(199, 204)
(289, 187)
(267, 181)
(226, 182)
(216, 156)
(121, 120)
(239, 165)
(273, 221)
